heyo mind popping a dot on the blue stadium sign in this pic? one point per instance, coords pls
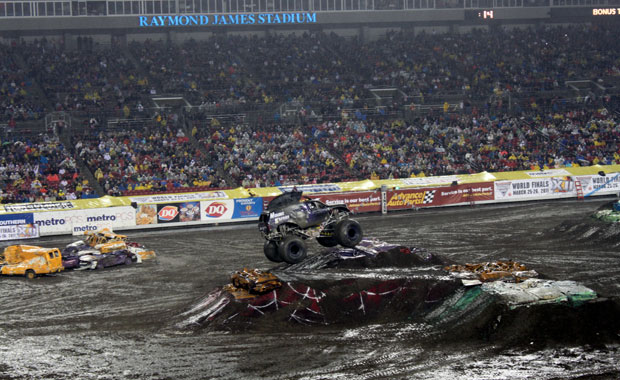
(230, 19)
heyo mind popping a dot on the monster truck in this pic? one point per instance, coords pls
(288, 221)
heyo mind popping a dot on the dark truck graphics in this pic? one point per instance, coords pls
(288, 221)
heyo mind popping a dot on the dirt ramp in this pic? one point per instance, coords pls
(473, 313)
(349, 302)
(602, 228)
(370, 253)
(382, 283)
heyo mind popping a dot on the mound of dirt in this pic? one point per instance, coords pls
(589, 231)
(361, 286)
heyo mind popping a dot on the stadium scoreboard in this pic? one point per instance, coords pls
(573, 13)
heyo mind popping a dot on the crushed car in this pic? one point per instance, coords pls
(255, 280)
(103, 248)
(30, 260)
(288, 221)
(105, 260)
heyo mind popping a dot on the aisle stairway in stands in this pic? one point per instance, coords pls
(64, 135)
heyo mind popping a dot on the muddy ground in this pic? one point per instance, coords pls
(116, 323)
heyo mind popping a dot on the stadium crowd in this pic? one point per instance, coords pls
(506, 106)
(39, 169)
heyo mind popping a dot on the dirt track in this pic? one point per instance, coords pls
(115, 323)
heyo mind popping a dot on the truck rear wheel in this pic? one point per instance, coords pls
(348, 233)
(30, 274)
(292, 249)
(271, 251)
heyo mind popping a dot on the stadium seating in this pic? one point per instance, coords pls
(311, 108)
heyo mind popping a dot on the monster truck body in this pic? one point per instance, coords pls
(288, 221)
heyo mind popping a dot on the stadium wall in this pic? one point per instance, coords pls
(362, 23)
(31, 220)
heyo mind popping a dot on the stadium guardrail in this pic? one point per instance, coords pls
(31, 220)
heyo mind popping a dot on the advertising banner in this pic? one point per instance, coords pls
(13, 219)
(166, 213)
(19, 231)
(96, 219)
(247, 208)
(532, 189)
(440, 196)
(363, 201)
(599, 185)
(78, 221)
(171, 198)
(312, 188)
(548, 173)
(146, 214)
(217, 211)
(44, 206)
(429, 181)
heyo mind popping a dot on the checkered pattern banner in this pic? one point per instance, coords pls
(428, 197)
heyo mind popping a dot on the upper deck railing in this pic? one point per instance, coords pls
(59, 8)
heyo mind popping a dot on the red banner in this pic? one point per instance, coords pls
(358, 202)
(440, 196)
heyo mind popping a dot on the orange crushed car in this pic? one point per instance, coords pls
(30, 260)
(255, 281)
(106, 241)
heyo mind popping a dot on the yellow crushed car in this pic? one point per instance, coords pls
(106, 241)
(30, 260)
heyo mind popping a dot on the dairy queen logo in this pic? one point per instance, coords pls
(215, 210)
(168, 213)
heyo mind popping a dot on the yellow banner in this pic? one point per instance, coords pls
(364, 185)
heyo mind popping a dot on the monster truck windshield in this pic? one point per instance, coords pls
(283, 200)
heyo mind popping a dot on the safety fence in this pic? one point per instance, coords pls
(31, 220)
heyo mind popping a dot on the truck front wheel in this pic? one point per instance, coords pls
(30, 274)
(292, 249)
(348, 233)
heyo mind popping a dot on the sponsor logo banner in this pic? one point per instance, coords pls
(173, 198)
(77, 221)
(167, 213)
(217, 210)
(425, 181)
(189, 211)
(598, 184)
(549, 173)
(534, 188)
(45, 206)
(19, 231)
(364, 201)
(146, 214)
(247, 208)
(440, 196)
(322, 188)
(96, 219)
(13, 219)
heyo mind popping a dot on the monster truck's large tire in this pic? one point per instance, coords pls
(327, 241)
(348, 233)
(292, 249)
(271, 251)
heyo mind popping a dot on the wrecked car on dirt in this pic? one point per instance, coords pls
(30, 260)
